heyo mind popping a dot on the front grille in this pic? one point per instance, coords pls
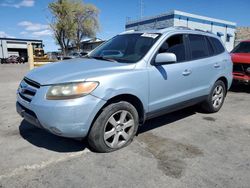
(27, 89)
(241, 68)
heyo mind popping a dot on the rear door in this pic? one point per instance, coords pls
(203, 64)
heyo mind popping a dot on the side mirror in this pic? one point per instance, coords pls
(165, 58)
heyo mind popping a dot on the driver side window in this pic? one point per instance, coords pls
(174, 44)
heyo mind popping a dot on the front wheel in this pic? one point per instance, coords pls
(216, 98)
(114, 128)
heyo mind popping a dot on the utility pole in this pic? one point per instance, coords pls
(141, 5)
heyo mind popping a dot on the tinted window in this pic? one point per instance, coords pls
(174, 44)
(211, 50)
(198, 46)
(219, 48)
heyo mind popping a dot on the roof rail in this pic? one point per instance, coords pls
(182, 27)
(204, 31)
(128, 31)
(175, 27)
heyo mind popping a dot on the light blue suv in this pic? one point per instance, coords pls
(135, 76)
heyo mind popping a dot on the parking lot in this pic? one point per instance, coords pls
(186, 148)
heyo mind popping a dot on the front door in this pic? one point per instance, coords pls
(171, 83)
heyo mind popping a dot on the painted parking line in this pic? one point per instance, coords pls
(42, 165)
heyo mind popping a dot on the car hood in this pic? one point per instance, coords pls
(240, 57)
(75, 70)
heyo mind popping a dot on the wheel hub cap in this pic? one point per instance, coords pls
(119, 129)
(218, 96)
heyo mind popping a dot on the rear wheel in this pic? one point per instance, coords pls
(114, 128)
(216, 98)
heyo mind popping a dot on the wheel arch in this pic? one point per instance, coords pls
(132, 99)
(224, 80)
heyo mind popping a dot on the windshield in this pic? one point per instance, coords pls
(127, 48)
(243, 47)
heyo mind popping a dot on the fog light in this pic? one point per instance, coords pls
(55, 131)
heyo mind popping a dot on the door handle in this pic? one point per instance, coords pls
(186, 72)
(216, 65)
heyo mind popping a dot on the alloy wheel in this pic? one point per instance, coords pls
(218, 96)
(119, 129)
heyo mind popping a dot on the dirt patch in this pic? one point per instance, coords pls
(169, 153)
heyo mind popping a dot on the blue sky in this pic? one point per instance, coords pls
(30, 18)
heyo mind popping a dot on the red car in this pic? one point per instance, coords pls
(241, 60)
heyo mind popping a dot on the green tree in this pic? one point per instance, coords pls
(86, 18)
(72, 21)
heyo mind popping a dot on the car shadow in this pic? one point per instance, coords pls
(44, 139)
(240, 88)
(166, 119)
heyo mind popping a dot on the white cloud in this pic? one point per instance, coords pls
(23, 3)
(45, 32)
(23, 33)
(29, 26)
(5, 35)
(35, 29)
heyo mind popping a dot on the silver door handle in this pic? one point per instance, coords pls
(216, 65)
(186, 72)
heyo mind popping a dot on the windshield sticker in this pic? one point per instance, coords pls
(150, 35)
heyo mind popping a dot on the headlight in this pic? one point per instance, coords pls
(70, 90)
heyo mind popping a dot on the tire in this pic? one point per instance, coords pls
(216, 98)
(119, 122)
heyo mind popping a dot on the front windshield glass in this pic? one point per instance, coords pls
(127, 48)
(243, 47)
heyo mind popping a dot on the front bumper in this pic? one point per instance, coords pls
(25, 113)
(67, 118)
(242, 78)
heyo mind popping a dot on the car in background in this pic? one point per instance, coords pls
(74, 55)
(241, 62)
(13, 59)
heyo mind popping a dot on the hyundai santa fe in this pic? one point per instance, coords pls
(135, 76)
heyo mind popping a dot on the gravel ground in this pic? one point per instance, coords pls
(182, 149)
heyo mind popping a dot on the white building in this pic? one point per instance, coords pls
(18, 47)
(222, 28)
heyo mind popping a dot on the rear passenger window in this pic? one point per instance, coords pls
(219, 48)
(211, 50)
(198, 47)
(174, 44)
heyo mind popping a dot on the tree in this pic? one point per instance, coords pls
(86, 18)
(72, 21)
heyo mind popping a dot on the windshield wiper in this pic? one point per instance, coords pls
(103, 58)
